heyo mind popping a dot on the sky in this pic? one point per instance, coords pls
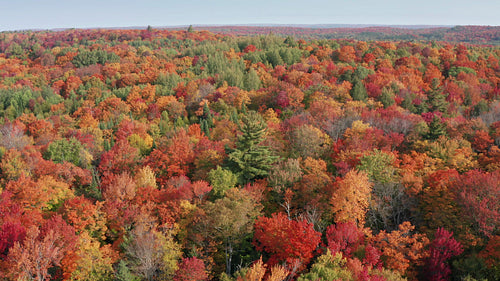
(50, 14)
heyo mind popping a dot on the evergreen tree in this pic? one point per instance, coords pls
(250, 160)
(436, 99)
(387, 97)
(251, 80)
(436, 128)
(358, 91)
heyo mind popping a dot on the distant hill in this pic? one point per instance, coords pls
(485, 35)
(463, 34)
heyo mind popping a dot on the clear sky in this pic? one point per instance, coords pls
(47, 14)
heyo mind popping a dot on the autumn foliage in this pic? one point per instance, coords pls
(165, 154)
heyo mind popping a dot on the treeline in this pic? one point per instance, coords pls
(186, 155)
(459, 34)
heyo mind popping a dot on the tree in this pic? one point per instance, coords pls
(400, 249)
(251, 81)
(328, 267)
(230, 220)
(250, 160)
(191, 269)
(259, 270)
(345, 238)
(477, 193)
(286, 240)
(152, 254)
(89, 261)
(32, 259)
(436, 128)
(351, 195)
(70, 151)
(221, 180)
(10, 233)
(41, 250)
(121, 158)
(442, 248)
(358, 91)
(309, 141)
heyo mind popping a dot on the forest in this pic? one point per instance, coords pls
(456, 34)
(183, 155)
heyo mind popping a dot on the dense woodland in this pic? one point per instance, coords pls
(188, 155)
(457, 34)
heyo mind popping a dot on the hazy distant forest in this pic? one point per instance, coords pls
(189, 155)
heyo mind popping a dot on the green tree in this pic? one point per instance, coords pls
(71, 150)
(436, 128)
(358, 91)
(436, 99)
(251, 160)
(230, 220)
(251, 81)
(379, 166)
(221, 180)
(328, 267)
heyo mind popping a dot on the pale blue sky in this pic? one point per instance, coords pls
(46, 14)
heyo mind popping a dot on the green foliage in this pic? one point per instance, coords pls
(251, 80)
(328, 267)
(358, 91)
(251, 160)
(436, 129)
(387, 97)
(437, 101)
(14, 50)
(123, 272)
(191, 67)
(471, 268)
(86, 58)
(65, 150)
(455, 70)
(15, 101)
(379, 166)
(169, 82)
(221, 180)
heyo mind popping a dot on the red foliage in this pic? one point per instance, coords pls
(10, 232)
(191, 269)
(286, 240)
(121, 158)
(344, 237)
(174, 159)
(478, 192)
(442, 248)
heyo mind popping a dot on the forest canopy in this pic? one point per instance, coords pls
(188, 155)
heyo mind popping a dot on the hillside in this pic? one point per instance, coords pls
(459, 34)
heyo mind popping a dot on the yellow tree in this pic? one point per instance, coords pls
(350, 197)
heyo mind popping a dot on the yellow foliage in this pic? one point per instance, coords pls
(57, 192)
(144, 143)
(351, 197)
(450, 153)
(93, 261)
(145, 177)
(358, 128)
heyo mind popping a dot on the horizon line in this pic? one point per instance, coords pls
(313, 25)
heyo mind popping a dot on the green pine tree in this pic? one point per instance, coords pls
(436, 99)
(358, 91)
(436, 129)
(251, 160)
